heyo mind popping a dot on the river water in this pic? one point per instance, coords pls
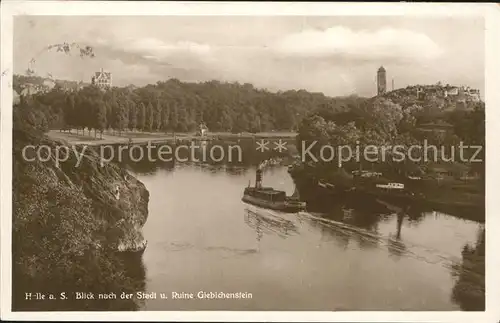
(202, 237)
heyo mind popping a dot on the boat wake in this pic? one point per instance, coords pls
(394, 245)
(177, 246)
(269, 221)
(232, 251)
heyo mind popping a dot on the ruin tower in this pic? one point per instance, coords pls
(381, 81)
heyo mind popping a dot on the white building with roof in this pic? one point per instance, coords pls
(102, 79)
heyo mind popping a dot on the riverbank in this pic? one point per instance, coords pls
(109, 138)
(461, 200)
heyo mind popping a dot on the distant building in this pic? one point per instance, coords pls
(381, 81)
(67, 86)
(30, 89)
(102, 79)
(49, 84)
(420, 93)
(463, 93)
(473, 95)
(451, 92)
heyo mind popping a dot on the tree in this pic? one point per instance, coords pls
(86, 113)
(253, 120)
(158, 116)
(226, 122)
(254, 125)
(241, 124)
(285, 118)
(70, 112)
(174, 121)
(122, 120)
(409, 119)
(132, 115)
(109, 115)
(165, 118)
(141, 117)
(115, 115)
(385, 116)
(101, 121)
(194, 103)
(182, 120)
(92, 115)
(315, 133)
(149, 117)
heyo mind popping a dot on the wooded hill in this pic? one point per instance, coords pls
(177, 106)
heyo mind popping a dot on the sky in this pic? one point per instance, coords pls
(336, 55)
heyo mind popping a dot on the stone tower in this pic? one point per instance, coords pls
(381, 81)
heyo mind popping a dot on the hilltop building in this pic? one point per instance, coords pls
(70, 86)
(102, 80)
(31, 89)
(381, 81)
(451, 91)
(48, 84)
(462, 94)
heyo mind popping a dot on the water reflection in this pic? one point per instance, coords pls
(241, 153)
(341, 238)
(145, 168)
(232, 157)
(134, 272)
(344, 230)
(265, 222)
(356, 215)
(235, 170)
(415, 215)
(331, 233)
(395, 245)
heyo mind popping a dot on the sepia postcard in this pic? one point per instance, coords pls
(184, 161)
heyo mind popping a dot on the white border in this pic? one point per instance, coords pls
(491, 13)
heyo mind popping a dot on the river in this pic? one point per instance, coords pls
(202, 237)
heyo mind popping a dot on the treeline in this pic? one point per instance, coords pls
(176, 106)
(381, 122)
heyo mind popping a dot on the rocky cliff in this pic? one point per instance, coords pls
(69, 221)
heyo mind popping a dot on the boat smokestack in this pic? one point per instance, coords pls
(258, 178)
